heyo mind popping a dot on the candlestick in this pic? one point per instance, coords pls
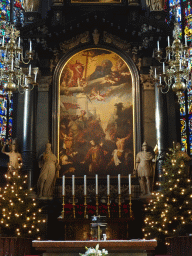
(157, 45)
(108, 185)
(73, 185)
(119, 184)
(63, 185)
(180, 64)
(119, 203)
(85, 185)
(129, 184)
(159, 79)
(108, 206)
(96, 184)
(130, 204)
(168, 39)
(63, 211)
(85, 204)
(74, 206)
(97, 205)
(12, 64)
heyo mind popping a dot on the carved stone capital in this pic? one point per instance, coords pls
(146, 82)
(75, 41)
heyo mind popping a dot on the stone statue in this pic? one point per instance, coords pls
(49, 166)
(15, 159)
(144, 168)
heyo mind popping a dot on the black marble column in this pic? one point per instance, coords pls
(28, 152)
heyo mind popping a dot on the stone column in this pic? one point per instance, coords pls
(28, 151)
(161, 129)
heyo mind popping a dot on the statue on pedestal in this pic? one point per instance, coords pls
(15, 158)
(144, 168)
(49, 165)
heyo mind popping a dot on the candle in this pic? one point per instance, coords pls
(30, 46)
(73, 185)
(157, 45)
(129, 184)
(185, 40)
(3, 41)
(85, 185)
(19, 42)
(119, 184)
(180, 64)
(30, 70)
(35, 78)
(168, 39)
(155, 73)
(63, 185)
(96, 184)
(163, 67)
(12, 64)
(159, 79)
(108, 185)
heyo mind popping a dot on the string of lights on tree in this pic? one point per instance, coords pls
(19, 213)
(169, 211)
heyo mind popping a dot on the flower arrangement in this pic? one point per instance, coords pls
(94, 251)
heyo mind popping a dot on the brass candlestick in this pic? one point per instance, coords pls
(119, 205)
(108, 206)
(97, 205)
(74, 206)
(85, 204)
(130, 204)
(63, 211)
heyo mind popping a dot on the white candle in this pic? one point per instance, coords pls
(163, 67)
(155, 73)
(63, 185)
(180, 64)
(30, 46)
(73, 185)
(129, 184)
(108, 185)
(35, 78)
(168, 39)
(12, 64)
(85, 185)
(185, 40)
(3, 41)
(159, 79)
(119, 184)
(96, 184)
(157, 45)
(30, 70)
(19, 42)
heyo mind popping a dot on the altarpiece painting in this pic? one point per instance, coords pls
(96, 115)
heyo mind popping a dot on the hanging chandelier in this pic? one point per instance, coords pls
(175, 71)
(13, 76)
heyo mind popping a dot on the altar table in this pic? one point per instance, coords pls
(136, 247)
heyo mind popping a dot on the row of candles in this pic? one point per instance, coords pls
(96, 184)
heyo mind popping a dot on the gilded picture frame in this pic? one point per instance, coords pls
(96, 114)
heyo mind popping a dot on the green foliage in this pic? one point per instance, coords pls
(169, 211)
(19, 213)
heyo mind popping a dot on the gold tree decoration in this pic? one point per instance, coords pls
(19, 213)
(169, 211)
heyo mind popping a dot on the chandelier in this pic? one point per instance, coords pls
(175, 71)
(13, 76)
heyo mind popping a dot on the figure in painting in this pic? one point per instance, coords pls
(102, 70)
(77, 76)
(15, 158)
(144, 169)
(49, 166)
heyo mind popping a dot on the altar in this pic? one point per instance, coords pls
(135, 247)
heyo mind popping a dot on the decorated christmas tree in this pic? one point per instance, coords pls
(19, 213)
(170, 209)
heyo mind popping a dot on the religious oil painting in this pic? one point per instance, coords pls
(96, 115)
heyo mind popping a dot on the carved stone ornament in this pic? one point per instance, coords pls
(155, 5)
(75, 41)
(146, 82)
(95, 36)
(111, 39)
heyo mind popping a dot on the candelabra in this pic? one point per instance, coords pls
(176, 75)
(12, 74)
